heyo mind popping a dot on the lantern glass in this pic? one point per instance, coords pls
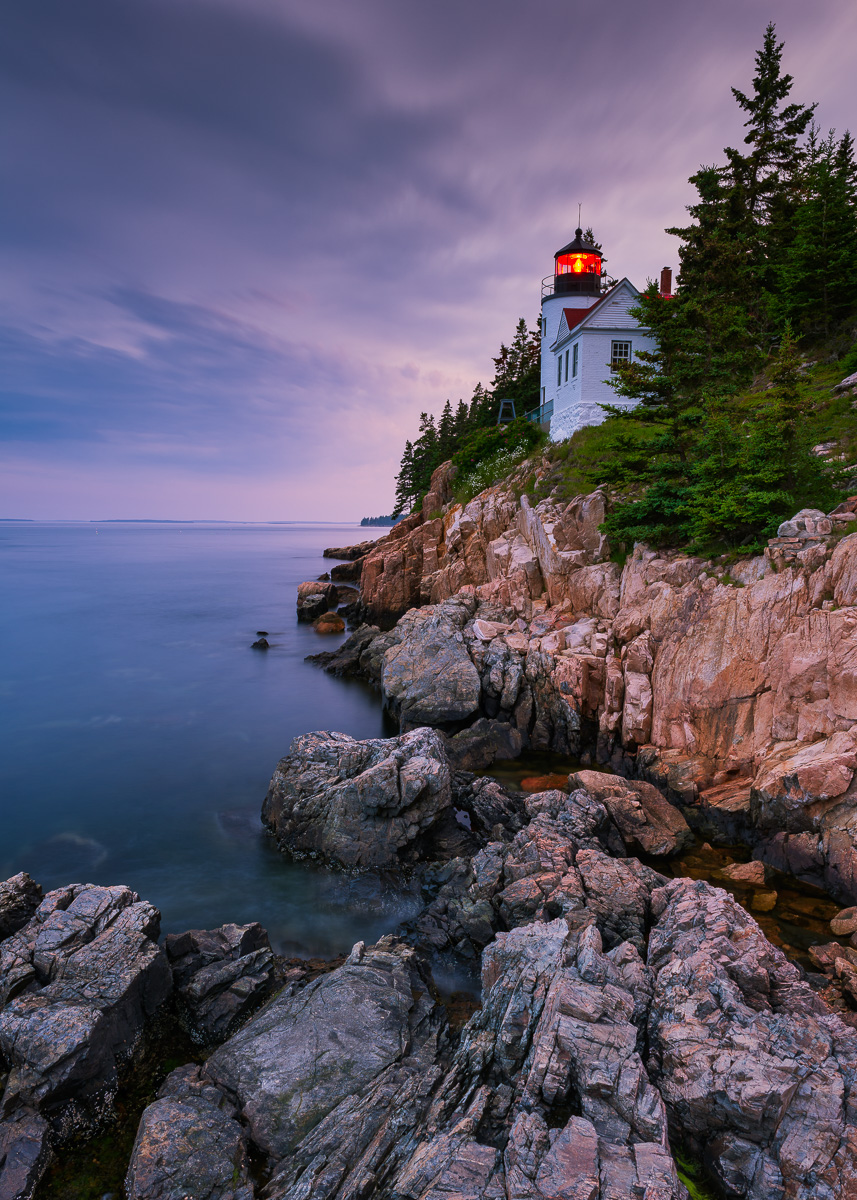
(578, 264)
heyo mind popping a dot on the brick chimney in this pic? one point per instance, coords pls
(666, 282)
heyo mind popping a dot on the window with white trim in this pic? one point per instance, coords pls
(620, 354)
(574, 361)
(566, 366)
(558, 370)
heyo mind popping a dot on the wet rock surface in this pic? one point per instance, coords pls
(623, 1014)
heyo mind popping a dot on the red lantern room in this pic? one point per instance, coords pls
(577, 267)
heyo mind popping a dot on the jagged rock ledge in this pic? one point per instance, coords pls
(733, 688)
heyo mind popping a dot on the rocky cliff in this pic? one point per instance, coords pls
(733, 687)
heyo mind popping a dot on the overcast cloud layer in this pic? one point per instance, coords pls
(245, 242)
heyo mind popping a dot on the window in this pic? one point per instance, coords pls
(620, 354)
(558, 370)
(574, 361)
(566, 366)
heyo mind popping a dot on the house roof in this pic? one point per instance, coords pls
(580, 316)
(573, 316)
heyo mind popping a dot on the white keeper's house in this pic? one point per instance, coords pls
(586, 331)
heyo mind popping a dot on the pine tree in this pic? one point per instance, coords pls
(405, 481)
(774, 130)
(819, 276)
(656, 444)
(778, 470)
(767, 179)
(446, 433)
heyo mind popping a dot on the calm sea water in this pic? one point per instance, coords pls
(140, 730)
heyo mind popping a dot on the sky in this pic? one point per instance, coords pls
(244, 243)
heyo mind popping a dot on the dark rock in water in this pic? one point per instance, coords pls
(347, 595)
(358, 804)
(261, 644)
(77, 984)
(67, 855)
(329, 623)
(261, 633)
(348, 572)
(24, 1153)
(360, 550)
(20, 896)
(346, 659)
(189, 1144)
(347, 1037)
(314, 599)
(219, 975)
(482, 743)
(324, 577)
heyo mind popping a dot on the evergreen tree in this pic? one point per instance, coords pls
(405, 481)
(819, 276)
(446, 433)
(778, 471)
(655, 445)
(774, 130)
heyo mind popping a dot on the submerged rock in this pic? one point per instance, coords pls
(358, 804)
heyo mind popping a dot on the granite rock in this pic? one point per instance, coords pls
(189, 1144)
(219, 975)
(358, 804)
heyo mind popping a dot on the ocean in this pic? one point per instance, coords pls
(140, 729)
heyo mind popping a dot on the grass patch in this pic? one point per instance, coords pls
(692, 1174)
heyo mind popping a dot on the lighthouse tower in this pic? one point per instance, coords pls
(587, 331)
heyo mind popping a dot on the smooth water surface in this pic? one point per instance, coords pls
(140, 730)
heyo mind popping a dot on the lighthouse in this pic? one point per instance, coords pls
(586, 332)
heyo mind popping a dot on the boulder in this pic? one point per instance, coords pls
(189, 1144)
(482, 743)
(77, 984)
(314, 599)
(751, 874)
(219, 975)
(428, 677)
(358, 804)
(844, 923)
(307, 1053)
(20, 896)
(329, 622)
(647, 821)
(752, 1064)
